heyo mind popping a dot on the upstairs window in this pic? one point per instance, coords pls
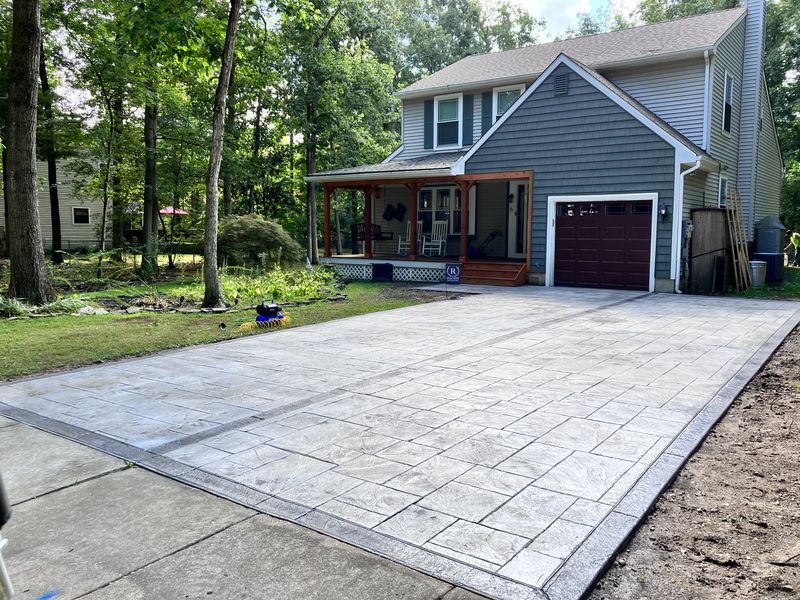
(727, 106)
(447, 118)
(504, 97)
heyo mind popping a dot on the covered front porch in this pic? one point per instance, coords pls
(413, 226)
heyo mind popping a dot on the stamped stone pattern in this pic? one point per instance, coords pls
(499, 431)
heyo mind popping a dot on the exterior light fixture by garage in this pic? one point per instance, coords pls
(663, 210)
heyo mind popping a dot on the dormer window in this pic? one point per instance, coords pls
(447, 118)
(504, 97)
(727, 106)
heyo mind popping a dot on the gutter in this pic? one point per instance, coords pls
(707, 101)
(677, 209)
(376, 175)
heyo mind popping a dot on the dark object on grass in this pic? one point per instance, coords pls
(382, 271)
(222, 326)
(269, 315)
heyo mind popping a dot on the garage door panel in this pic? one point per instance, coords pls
(601, 245)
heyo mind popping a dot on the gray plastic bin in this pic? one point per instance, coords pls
(758, 272)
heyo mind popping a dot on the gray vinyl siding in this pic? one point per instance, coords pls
(675, 92)
(414, 125)
(752, 49)
(769, 168)
(725, 146)
(581, 143)
(72, 236)
(700, 190)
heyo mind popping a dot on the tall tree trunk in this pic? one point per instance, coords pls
(256, 153)
(49, 146)
(29, 277)
(213, 292)
(150, 217)
(117, 201)
(227, 174)
(4, 158)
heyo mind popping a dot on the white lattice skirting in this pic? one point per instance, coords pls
(411, 274)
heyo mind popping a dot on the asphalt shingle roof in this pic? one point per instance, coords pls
(441, 160)
(602, 50)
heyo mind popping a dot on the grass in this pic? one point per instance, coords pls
(788, 290)
(29, 346)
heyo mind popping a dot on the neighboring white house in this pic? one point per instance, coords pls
(80, 214)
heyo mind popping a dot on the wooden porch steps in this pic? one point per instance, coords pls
(494, 273)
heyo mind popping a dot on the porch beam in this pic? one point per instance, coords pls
(369, 191)
(464, 187)
(326, 193)
(497, 176)
(413, 189)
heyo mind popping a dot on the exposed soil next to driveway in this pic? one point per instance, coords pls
(729, 527)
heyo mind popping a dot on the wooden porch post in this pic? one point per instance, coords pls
(464, 187)
(368, 221)
(413, 188)
(326, 192)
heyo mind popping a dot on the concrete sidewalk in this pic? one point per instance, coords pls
(85, 525)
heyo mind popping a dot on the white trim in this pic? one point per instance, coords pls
(505, 88)
(683, 152)
(707, 103)
(391, 157)
(551, 227)
(88, 212)
(724, 92)
(436, 100)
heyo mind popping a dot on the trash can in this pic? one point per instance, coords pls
(758, 272)
(769, 235)
(382, 271)
(774, 265)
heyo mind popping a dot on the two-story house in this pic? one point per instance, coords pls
(572, 163)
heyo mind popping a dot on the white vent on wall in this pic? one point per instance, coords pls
(562, 84)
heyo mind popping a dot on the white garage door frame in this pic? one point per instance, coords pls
(549, 274)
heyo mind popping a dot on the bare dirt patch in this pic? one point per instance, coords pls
(729, 526)
(410, 292)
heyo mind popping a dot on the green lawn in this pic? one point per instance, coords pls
(788, 290)
(30, 346)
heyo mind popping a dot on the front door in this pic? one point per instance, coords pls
(517, 218)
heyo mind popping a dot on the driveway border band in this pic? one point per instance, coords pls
(577, 576)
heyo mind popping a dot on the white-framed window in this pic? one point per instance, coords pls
(723, 192)
(727, 103)
(504, 97)
(447, 121)
(81, 215)
(443, 203)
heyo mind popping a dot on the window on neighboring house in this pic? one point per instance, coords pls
(727, 108)
(447, 117)
(723, 192)
(504, 97)
(80, 215)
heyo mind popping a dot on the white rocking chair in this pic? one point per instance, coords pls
(437, 241)
(404, 243)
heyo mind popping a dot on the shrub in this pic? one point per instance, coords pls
(249, 239)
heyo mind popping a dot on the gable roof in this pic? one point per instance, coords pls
(686, 149)
(685, 37)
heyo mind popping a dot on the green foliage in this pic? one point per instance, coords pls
(11, 307)
(250, 239)
(279, 285)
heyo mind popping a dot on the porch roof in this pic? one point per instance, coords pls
(431, 165)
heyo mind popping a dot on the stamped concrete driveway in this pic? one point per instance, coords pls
(506, 442)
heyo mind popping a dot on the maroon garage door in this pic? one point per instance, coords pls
(603, 244)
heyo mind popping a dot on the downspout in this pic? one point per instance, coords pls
(707, 102)
(678, 212)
